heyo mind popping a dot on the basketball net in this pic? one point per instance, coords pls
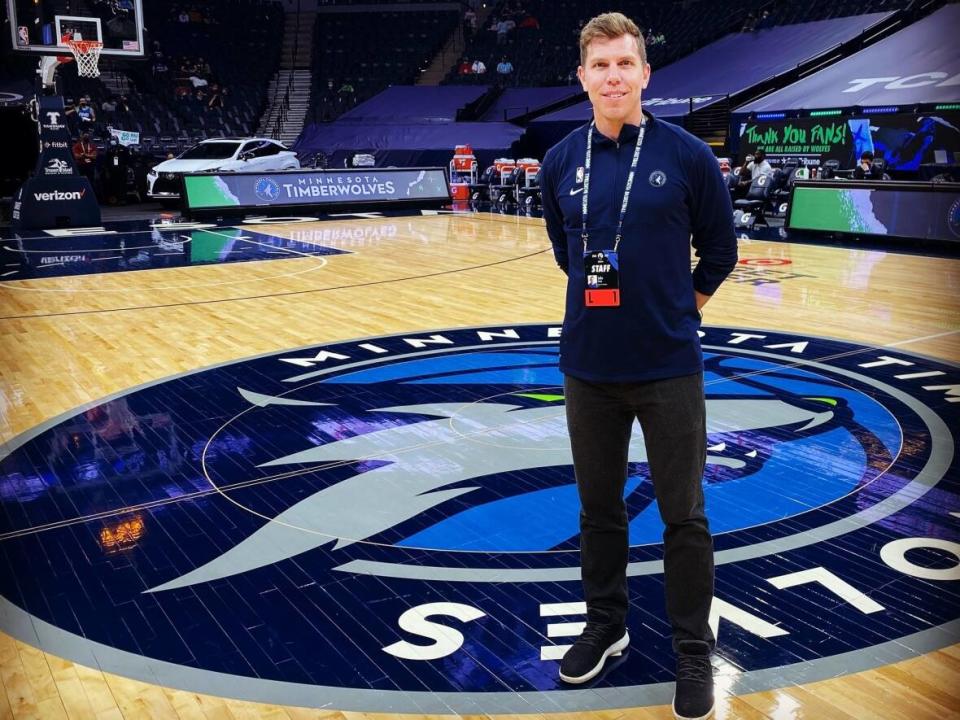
(87, 55)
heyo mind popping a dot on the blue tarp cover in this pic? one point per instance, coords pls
(519, 101)
(415, 104)
(919, 64)
(408, 145)
(732, 64)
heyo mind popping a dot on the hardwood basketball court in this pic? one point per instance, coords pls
(73, 339)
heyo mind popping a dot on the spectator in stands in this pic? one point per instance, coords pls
(108, 107)
(85, 155)
(464, 68)
(86, 116)
(503, 30)
(765, 21)
(346, 94)
(160, 70)
(70, 110)
(529, 22)
(760, 166)
(749, 24)
(469, 23)
(866, 169)
(123, 106)
(478, 67)
(216, 98)
(183, 17)
(504, 68)
(203, 68)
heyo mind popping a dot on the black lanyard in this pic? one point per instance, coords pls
(626, 193)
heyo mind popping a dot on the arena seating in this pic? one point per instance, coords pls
(230, 47)
(549, 55)
(371, 51)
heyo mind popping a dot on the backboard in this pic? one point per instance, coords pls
(40, 27)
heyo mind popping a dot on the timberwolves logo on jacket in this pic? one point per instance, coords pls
(390, 524)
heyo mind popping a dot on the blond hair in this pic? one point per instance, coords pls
(611, 26)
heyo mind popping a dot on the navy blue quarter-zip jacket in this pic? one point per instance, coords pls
(678, 197)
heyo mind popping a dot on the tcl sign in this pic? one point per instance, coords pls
(895, 82)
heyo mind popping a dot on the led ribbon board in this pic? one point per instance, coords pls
(206, 192)
(928, 211)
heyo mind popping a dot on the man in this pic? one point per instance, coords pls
(345, 94)
(85, 156)
(866, 170)
(622, 197)
(86, 115)
(760, 165)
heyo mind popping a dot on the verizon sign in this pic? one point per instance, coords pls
(59, 195)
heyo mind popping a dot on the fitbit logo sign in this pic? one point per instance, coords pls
(59, 195)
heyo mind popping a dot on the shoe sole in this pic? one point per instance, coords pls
(616, 649)
(678, 716)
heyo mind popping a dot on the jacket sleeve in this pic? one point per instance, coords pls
(714, 238)
(552, 214)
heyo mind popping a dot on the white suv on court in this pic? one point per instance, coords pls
(219, 154)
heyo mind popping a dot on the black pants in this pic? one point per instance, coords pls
(672, 416)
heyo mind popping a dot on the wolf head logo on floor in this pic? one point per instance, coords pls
(458, 464)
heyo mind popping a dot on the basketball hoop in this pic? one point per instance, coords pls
(87, 55)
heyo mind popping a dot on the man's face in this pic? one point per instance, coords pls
(614, 76)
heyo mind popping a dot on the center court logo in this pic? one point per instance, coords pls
(391, 523)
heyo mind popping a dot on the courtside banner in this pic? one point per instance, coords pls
(929, 211)
(207, 192)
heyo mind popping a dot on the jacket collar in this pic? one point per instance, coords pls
(628, 133)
